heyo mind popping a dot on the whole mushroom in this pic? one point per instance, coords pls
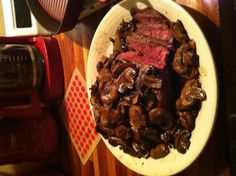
(123, 132)
(190, 94)
(149, 81)
(136, 117)
(151, 135)
(179, 32)
(115, 141)
(160, 151)
(186, 119)
(182, 140)
(161, 117)
(126, 80)
(186, 60)
(109, 93)
(104, 76)
(119, 67)
(110, 116)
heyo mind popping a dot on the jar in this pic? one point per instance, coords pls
(28, 139)
(21, 68)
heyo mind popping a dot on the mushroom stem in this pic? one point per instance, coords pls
(197, 93)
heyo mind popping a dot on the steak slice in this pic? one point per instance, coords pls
(157, 26)
(162, 33)
(151, 41)
(136, 57)
(136, 37)
(150, 15)
(151, 50)
(153, 24)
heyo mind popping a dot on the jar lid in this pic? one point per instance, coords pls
(56, 16)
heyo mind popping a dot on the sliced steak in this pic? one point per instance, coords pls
(150, 15)
(153, 50)
(163, 33)
(153, 24)
(153, 42)
(134, 56)
(156, 26)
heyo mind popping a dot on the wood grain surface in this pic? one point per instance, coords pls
(74, 47)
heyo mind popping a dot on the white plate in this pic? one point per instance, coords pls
(101, 45)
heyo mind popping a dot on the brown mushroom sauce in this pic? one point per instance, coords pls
(144, 110)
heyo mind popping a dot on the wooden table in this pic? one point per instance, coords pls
(74, 50)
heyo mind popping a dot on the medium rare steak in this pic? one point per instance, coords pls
(152, 23)
(136, 37)
(151, 41)
(161, 34)
(150, 15)
(157, 26)
(136, 57)
(159, 31)
(153, 53)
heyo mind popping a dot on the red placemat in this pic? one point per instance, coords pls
(78, 118)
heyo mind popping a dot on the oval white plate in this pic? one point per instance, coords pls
(101, 45)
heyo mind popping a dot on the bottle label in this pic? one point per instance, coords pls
(17, 67)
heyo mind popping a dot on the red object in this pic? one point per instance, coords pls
(56, 16)
(33, 108)
(54, 80)
(78, 117)
(53, 84)
(28, 139)
(60, 16)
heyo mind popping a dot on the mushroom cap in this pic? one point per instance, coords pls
(126, 80)
(186, 60)
(182, 140)
(136, 116)
(161, 117)
(179, 32)
(190, 93)
(109, 93)
(160, 151)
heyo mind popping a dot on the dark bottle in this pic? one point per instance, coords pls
(28, 139)
(22, 74)
(21, 68)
